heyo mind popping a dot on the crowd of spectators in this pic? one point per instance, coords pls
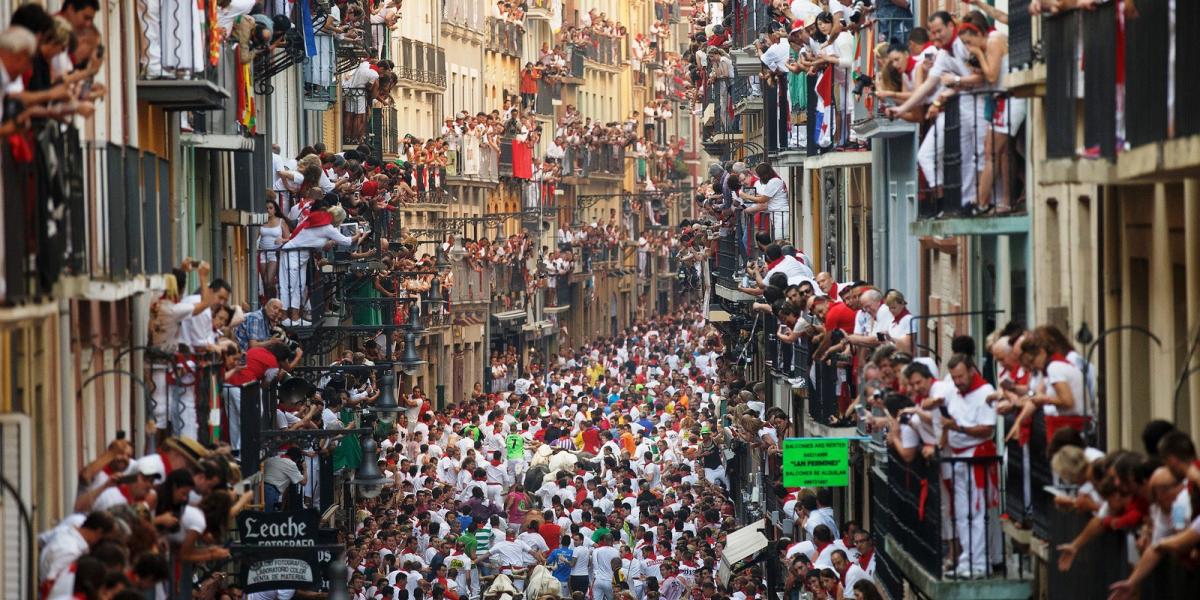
(48, 66)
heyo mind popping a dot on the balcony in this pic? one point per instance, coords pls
(355, 46)
(135, 204)
(909, 502)
(1159, 131)
(383, 134)
(980, 166)
(747, 95)
(548, 96)
(539, 9)
(177, 77)
(356, 116)
(720, 126)
(320, 94)
(606, 52)
(606, 161)
(471, 285)
(749, 18)
(509, 295)
(474, 163)
(575, 60)
(505, 37)
(421, 65)
(463, 18)
(735, 248)
(227, 128)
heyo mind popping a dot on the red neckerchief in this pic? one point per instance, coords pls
(900, 315)
(949, 47)
(977, 382)
(1058, 357)
(926, 46)
(912, 64)
(864, 559)
(124, 489)
(166, 464)
(108, 470)
(821, 548)
(771, 265)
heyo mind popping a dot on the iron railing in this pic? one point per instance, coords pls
(1061, 38)
(1147, 55)
(505, 37)
(605, 159)
(918, 503)
(970, 162)
(1020, 35)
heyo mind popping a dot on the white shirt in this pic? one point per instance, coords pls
(196, 330)
(511, 554)
(970, 410)
(795, 270)
(776, 56)
(602, 563)
(855, 574)
(61, 552)
(776, 192)
(583, 559)
(1058, 371)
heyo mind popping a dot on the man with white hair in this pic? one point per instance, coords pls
(17, 46)
(878, 320)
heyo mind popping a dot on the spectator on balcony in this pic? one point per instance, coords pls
(970, 427)
(530, 76)
(989, 48)
(318, 231)
(950, 72)
(770, 195)
(359, 87)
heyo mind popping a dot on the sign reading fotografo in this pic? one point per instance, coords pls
(816, 462)
(279, 550)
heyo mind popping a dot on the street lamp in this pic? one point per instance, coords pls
(457, 252)
(339, 579)
(386, 405)
(368, 478)
(410, 362)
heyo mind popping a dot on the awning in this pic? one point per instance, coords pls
(554, 310)
(740, 548)
(509, 315)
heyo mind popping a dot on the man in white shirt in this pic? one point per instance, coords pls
(970, 427)
(602, 571)
(861, 567)
(69, 543)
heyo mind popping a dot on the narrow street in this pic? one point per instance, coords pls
(599, 299)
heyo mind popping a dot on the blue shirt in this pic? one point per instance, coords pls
(253, 328)
(560, 558)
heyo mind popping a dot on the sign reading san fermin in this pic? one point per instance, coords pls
(280, 551)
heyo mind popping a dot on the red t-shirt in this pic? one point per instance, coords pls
(529, 82)
(550, 532)
(840, 316)
(591, 440)
(259, 360)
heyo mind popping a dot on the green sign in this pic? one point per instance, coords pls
(816, 462)
(516, 446)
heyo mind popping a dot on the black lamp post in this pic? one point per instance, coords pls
(410, 362)
(368, 478)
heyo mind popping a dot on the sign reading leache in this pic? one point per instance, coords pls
(280, 550)
(816, 462)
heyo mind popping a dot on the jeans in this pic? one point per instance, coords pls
(272, 496)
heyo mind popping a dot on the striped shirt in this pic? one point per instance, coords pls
(483, 541)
